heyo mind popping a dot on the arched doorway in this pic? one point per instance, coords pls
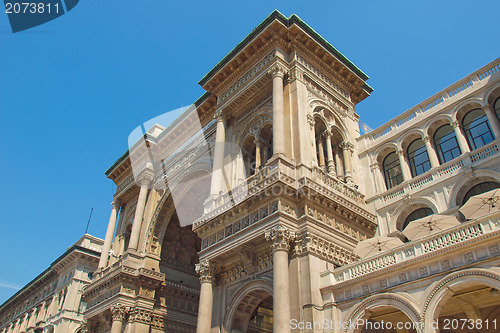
(254, 313)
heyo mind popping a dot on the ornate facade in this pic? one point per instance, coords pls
(52, 302)
(249, 224)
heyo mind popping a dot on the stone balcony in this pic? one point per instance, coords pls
(466, 244)
(443, 172)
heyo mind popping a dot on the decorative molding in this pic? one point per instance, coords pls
(119, 312)
(204, 269)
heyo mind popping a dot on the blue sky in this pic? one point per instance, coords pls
(73, 89)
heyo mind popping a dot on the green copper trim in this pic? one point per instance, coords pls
(287, 22)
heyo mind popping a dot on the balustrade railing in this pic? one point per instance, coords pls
(337, 185)
(445, 170)
(449, 93)
(425, 246)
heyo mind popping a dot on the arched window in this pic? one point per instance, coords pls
(418, 157)
(477, 129)
(417, 214)
(480, 188)
(446, 144)
(496, 106)
(392, 170)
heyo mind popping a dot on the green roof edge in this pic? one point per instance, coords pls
(276, 14)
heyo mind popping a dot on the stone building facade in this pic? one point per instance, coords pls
(52, 301)
(244, 213)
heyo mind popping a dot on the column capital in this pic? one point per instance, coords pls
(205, 269)
(277, 70)
(116, 203)
(400, 152)
(326, 133)
(258, 142)
(487, 108)
(119, 312)
(426, 139)
(310, 120)
(280, 237)
(347, 146)
(375, 166)
(455, 124)
(220, 115)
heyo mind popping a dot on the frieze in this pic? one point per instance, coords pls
(323, 77)
(239, 225)
(254, 70)
(140, 315)
(324, 249)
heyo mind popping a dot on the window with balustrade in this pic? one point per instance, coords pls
(418, 157)
(477, 129)
(479, 189)
(417, 214)
(392, 170)
(446, 144)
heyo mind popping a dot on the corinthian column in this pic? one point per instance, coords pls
(204, 269)
(347, 149)
(103, 261)
(139, 212)
(462, 142)
(118, 312)
(218, 163)
(280, 239)
(329, 154)
(278, 73)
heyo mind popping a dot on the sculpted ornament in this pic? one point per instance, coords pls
(280, 238)
(277, 70)
(204, 269)
(119, 312)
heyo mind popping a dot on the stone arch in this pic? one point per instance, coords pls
(165, 208)
(384, 150)
(263, 284)
(407, 207)
(470, 179)
(409, 136)
(261, 118)
(402, 302)
(491, 94)
(435, 122)
(438, 293)
(465, 106)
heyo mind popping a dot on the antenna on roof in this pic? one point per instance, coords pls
(88, 223)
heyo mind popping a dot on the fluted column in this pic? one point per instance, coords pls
(405, 169)
(103, 261)
(379, 179)
(492, 118)
(338, 164)
(218, 163)
(329, 154)
(280, 239)
(118, 312)
(278, 73)
(139, 212)
(204, 269)
(321, 152)
(257, 155)
(347, 149)
(462, 142)
(431, 152)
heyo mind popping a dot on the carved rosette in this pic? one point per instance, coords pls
(139, 315)
(280, 238)
(119, 312)
(204, 269)
(277, 70)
